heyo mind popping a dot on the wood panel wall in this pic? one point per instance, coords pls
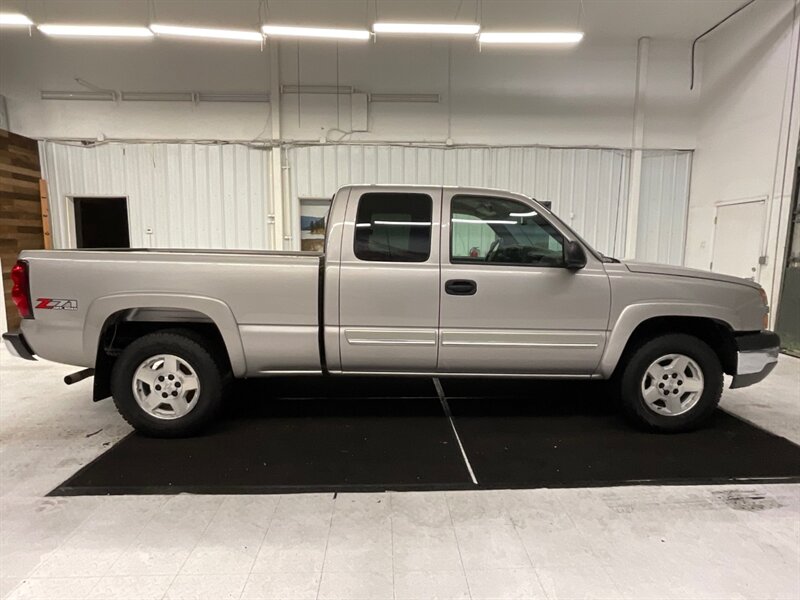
(20, 207)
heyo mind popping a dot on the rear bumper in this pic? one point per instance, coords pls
(16, 344)
(756, 356)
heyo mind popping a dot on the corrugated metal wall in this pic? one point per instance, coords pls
(187, 195)
(663, 206)
(217, 196)
(588, 187)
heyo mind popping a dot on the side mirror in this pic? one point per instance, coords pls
(574, 256)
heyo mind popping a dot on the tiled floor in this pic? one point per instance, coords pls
(633, 542)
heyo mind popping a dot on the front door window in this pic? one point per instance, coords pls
(501, 231)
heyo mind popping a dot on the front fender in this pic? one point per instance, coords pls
(217, 311)
(635, 314)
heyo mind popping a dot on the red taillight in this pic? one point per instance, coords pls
(20, 291)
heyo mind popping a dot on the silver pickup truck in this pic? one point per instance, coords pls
(441, 281)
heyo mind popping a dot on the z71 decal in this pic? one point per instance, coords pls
(56, 304)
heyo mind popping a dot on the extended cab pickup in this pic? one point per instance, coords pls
(414, 280)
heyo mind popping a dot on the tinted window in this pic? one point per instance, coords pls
(393, 227)
(496, 230)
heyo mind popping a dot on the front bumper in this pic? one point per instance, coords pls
(17, 345)
(756, 356)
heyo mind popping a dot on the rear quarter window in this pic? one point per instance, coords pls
(393, 227)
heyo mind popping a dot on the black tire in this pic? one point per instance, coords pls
(203, 358)
(640, 358)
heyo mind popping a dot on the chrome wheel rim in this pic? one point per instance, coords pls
(166, 386)
(672, 385)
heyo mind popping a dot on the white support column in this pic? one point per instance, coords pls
(276, 209)
(637, 142)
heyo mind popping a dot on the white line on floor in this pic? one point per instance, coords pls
(446, 407)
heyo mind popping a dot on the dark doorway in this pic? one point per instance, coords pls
(101, 222)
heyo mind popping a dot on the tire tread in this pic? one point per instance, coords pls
(188, 341)
(640, 357)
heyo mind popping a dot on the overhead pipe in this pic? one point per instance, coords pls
(709, 30)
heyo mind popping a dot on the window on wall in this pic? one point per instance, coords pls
(393, 227)
(501, 231)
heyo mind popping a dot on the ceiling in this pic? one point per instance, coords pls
(600, 19)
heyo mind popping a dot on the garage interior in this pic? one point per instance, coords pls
(666, 133)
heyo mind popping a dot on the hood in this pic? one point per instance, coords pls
(655, 269)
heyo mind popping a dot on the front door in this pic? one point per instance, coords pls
(508, 304)
(389, 280)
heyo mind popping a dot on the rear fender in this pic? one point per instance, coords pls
(216, 310)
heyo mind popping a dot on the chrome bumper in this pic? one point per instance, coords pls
(756, 356)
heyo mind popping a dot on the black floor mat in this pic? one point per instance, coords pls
(364, 434)
(289, 445)
(547, 434)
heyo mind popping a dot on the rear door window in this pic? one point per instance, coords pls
(393, 227)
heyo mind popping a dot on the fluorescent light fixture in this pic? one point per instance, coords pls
(315, 32)
(201, 32)
(158, 96)
(50, 95)
(533, 213)
(232, 97)
(434, 98)
(530, 37)
(194, 97)
(316, 89)
(96, 31)
(14, 19)
(427, 28)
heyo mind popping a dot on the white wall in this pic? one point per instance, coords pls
(581, 96)
(569, 96)
(743, 137)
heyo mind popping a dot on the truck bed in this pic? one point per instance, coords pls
(264, 303)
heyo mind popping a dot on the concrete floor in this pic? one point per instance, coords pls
(628, 542)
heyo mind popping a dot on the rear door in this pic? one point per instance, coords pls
(508, 304)
(389, 280)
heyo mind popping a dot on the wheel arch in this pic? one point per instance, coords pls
(161, 311)
(712, 326)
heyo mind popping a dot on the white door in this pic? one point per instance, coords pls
(738, 235)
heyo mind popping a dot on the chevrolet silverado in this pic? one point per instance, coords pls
(414, 280)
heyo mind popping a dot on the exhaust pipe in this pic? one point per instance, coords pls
(79, 376)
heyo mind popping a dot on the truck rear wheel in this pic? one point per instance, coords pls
(167, 384)
(671, 383)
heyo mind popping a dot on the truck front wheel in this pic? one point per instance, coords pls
(671, 383)
(167, 384)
